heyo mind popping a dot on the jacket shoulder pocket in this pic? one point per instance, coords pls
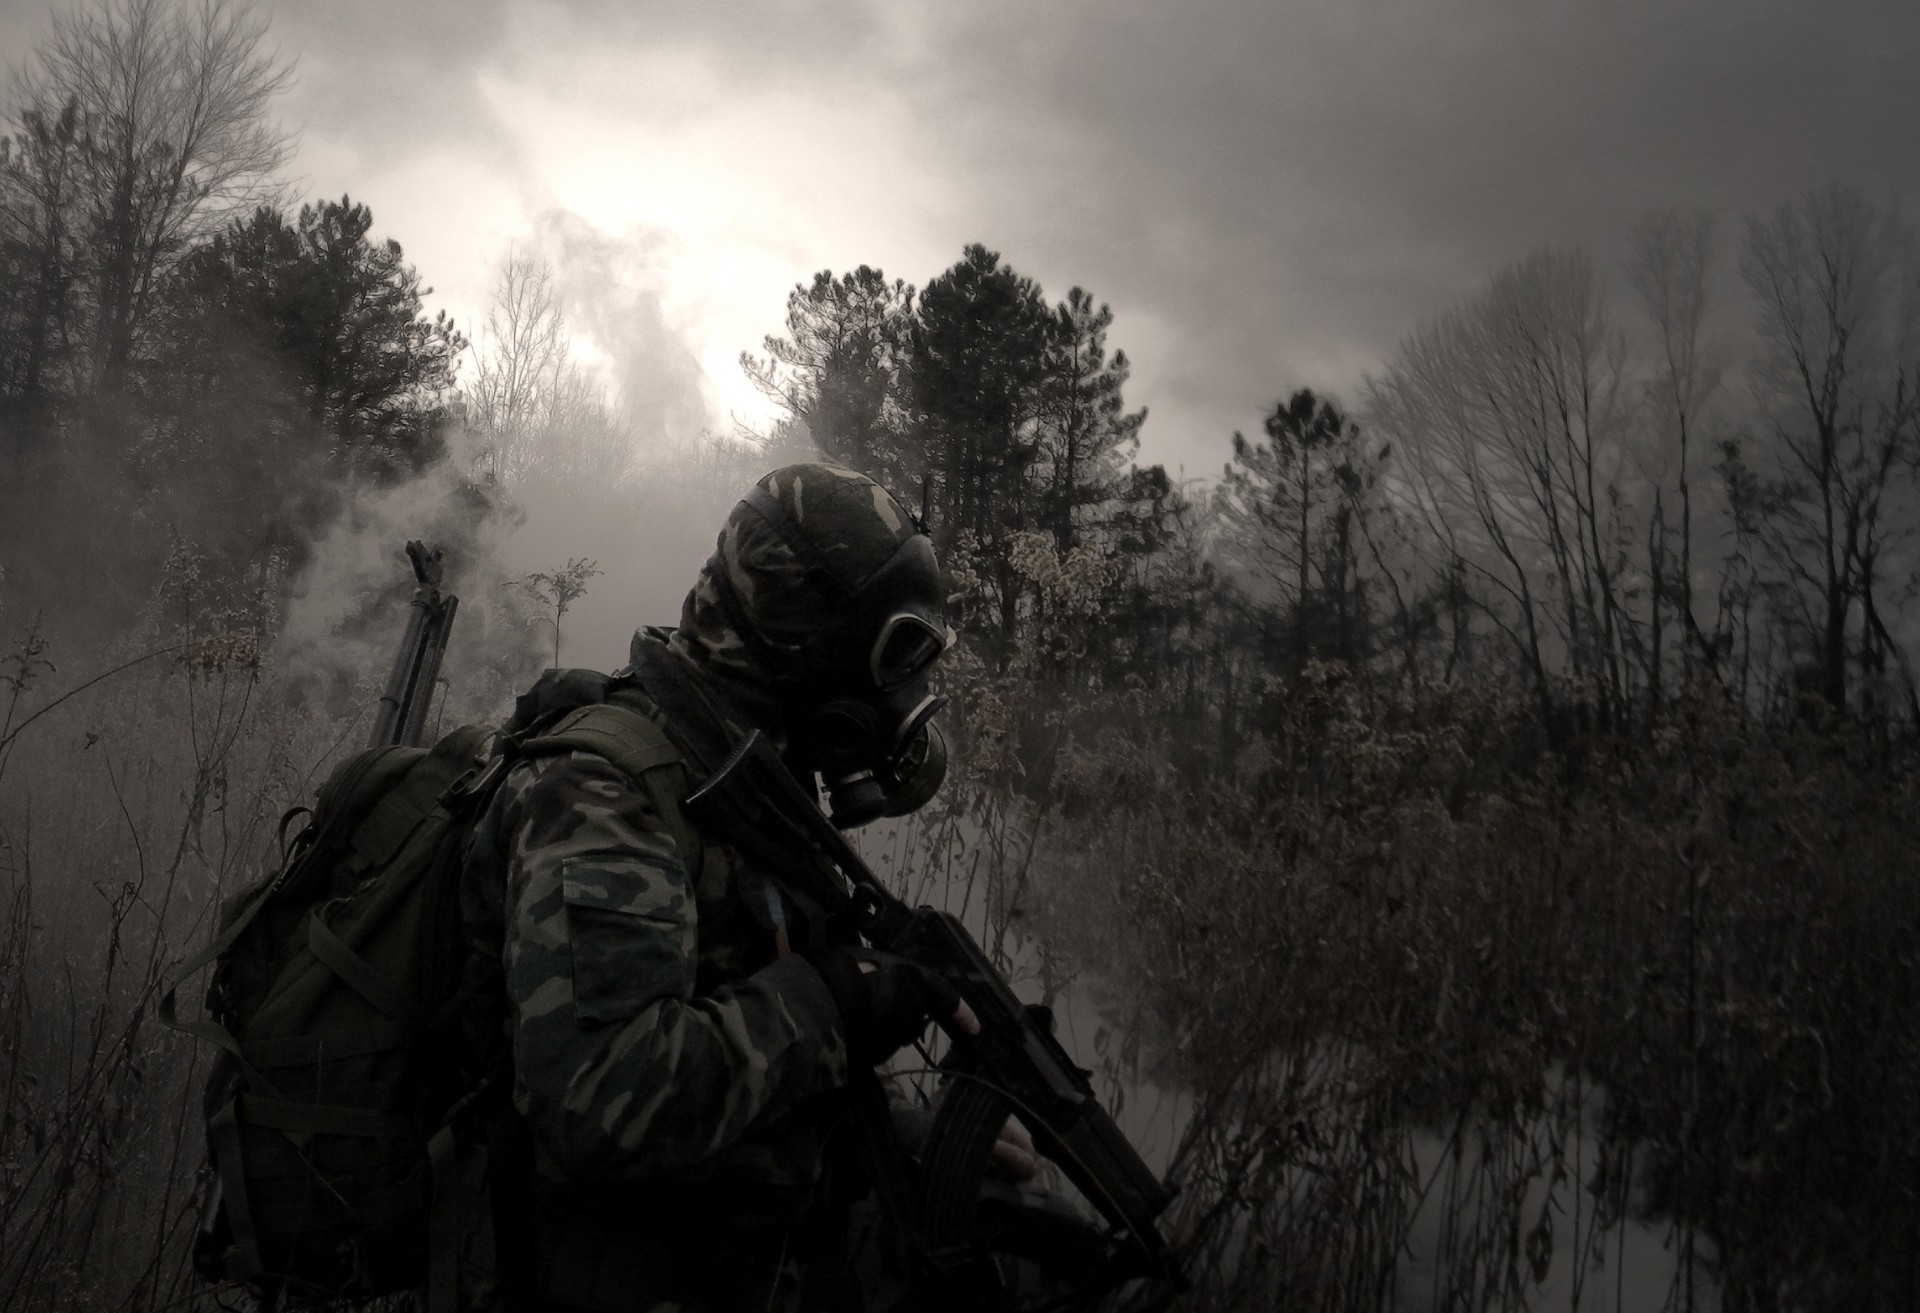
(630, 935)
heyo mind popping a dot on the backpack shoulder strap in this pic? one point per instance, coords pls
(629, 740)
(639, 748)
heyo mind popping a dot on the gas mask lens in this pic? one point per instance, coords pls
(907, 645)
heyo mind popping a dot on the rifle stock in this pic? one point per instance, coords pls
(1015, 1055)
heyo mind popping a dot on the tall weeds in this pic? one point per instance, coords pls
(129, 806)
(1444, 1016)
(1460, 1014)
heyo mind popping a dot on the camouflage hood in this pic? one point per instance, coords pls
(775, 579)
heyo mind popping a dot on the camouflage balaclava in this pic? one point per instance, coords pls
(817, 571)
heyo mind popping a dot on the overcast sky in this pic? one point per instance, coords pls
(1269, 194)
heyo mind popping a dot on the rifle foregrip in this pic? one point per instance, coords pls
(1018, 1054)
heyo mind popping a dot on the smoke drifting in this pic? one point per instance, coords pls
(634, 480)
(612, 291)
(347, 608)
(641, 483)
(648, 533)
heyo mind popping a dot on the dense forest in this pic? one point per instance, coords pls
(1483, 810)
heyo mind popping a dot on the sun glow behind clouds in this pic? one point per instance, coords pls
(645, 141)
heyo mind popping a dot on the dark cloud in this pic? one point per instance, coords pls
(1268, 194)
(391, 79)
(404, 76)
(1291, 186)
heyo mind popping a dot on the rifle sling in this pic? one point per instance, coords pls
(699, 729)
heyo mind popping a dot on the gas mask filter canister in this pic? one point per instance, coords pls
(879, 754)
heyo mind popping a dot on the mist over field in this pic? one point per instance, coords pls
(1435, 711)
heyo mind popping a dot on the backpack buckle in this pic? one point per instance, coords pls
(480, 779)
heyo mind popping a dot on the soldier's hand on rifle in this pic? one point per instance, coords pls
(885, 1000)
(1013, 1158)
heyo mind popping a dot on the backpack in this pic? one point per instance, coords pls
(360, 1040)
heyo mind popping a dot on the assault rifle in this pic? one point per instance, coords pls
(402, 719)
(1014, 1064)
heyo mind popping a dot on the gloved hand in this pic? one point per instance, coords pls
(884, 1000)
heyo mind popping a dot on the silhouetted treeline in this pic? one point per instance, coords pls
(181, 354)
(1612, 510)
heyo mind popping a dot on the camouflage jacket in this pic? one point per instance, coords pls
(677, 1077)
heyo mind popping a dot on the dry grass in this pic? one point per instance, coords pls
(1454, 1020)
(128, 808)
(1405, 953)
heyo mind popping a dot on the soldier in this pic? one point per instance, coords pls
(683, 1025)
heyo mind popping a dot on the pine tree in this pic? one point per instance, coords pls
(980, 351)
(1289, 510)
(292, 359)
(1087, 438)
(980, 344)
(839, 369)
(346, 315)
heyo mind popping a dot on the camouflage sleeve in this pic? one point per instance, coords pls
(620, 1070)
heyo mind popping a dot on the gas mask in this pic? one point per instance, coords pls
(832, 594)
(867, 720)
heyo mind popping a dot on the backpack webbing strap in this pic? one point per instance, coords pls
(223, 1138)
(353, 971)
(692, 720)
(308, 1050)
(221, 943)
(413, 801)
(443, 1225)
(207, 1029)
(216, 1034)
(324, 1119)
(392, 822)
(446, 1206)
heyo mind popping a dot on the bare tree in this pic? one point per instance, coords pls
(1507, 414)
(1838, 385)
(1669, 263)
(518, 359)
(39, 171)
(172, 104)
(585, 439)
(538, 412)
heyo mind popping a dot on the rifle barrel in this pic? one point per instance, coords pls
(404, 705)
